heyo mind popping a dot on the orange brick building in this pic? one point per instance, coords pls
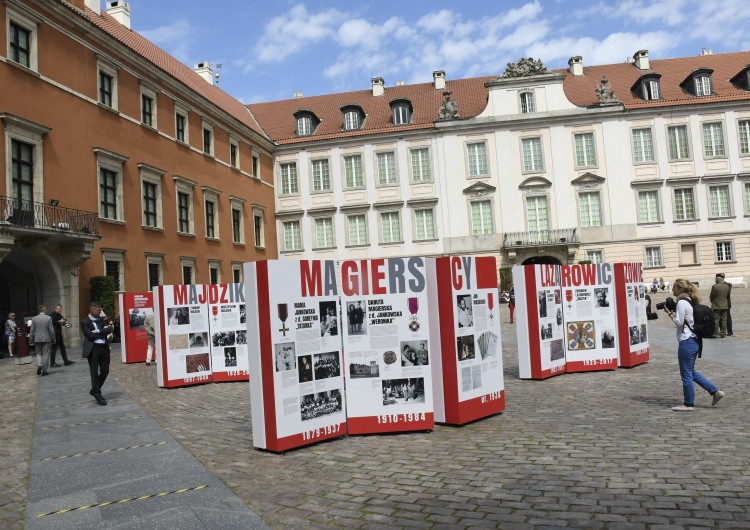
(119, 160)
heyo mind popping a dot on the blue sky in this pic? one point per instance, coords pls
(270, 49)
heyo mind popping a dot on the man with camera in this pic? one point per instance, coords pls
(58, 321)
(720, 304)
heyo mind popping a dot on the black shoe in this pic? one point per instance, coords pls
(45, 373)
(38, 370)
(55, 366)
(92, 393)
(100, 400)
(68, 363)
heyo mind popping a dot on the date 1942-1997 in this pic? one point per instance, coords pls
(322, 431)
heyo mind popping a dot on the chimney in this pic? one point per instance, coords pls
(705, 51)
(641, 60)
(438, 79)
(298, 95)
(378, 86)
(93, 5)
(575, 65)
(120, 11)
(204, 70)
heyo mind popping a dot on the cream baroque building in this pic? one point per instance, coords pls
(640, 161)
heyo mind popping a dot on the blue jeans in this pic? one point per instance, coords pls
(687, 352)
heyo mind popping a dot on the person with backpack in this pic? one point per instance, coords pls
(690, 344)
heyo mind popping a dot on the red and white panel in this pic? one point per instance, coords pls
(228, 323)
(632, 322)
(133, 310)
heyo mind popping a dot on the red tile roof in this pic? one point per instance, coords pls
(170, 65)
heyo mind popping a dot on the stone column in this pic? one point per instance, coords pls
(70, 261)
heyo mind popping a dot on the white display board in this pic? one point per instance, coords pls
(181, 315)
(539, 321)
(589, 312)
(387, 344)
(633, 348)
(465, 321)
(228, 324)
(294, 351)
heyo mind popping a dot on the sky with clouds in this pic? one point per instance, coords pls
(269, 50)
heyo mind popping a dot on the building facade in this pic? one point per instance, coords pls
(118, 160)
(640, 161)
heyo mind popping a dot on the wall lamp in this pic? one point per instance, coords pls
(54, 202)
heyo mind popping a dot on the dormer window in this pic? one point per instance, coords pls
(699, 82)
(703, 85)
(307, 122)
(353, 117)
(742, 79)
(647, 87)
(527, 102)
(401, 110)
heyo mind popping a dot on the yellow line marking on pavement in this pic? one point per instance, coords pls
(90, 422)
(101, 452)
(141, 498)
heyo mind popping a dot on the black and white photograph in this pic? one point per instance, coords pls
(641, 292)
(178, 316)
(608, 338)
(326, 365)
(355, 317)
(464, 311)
(230, 357)
(304, 368)
(329, 321)
(403, 391)
(223, 338)
(415, 353)
(635, 335)
(320, 404)
(198, 341)
(138, 317)
(559, 316)
(241, 336)
(243, 314)
(542, 304)
(285, 356)
(602, 296)
(557, 297)
(556, 351)
(465, 347)
(644, 333)
(546, 331)
(362, 370)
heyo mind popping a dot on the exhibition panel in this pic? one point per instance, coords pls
(228, 332)
(632, 317)
(133, 310)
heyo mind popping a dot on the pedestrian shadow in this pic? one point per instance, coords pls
(659, 401)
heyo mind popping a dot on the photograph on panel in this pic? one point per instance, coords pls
(464, 311)
(329, 322)
(355, 317)
(326, 365)
(198, 340)
(608, 338)
(230, 356)
(197, 363)
(403, 391)
(465, 347)
(304, 368)
(177, 316)
(223, 338)
(414, 353)
(285, 356)
(138, 317)
(320, 404)
(602, 296)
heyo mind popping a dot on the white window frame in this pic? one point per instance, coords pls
(351, 120)
(183, 185)
(286, 181)
(150, 93)
(676, 128)
(703, 85)
(237, 267)
(153, 258)
(180, 110)
(658, 206)
(234, 143)
(152, 175)
(746, 197)
(28, 22)
(399, 237)
(526, 102)
(31, 133)
(484, 230)
(237, 205)
(365, 224)
(649, 264)
(677, 213)
(385, 177)
(479, 172)
(592, 223)
(416, 221)
(188, 262)
(214, 265)
(422, 158)
(586, 162)
(114, 162)
(259, 214)
(720, 250)
(715, 139)
(110, 69)
(118, 255)
(291, 224)
(207, 126)
(542, 234)
(528, 156)
(211, 195)
(352, 156)
(721, 215)
(640, 153)
(743, 136)
(304, 126)
(401, 114)
(318, 178)
(318, 221)
(591, 255)
(650, 89)
(256, 165)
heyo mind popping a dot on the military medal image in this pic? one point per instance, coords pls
(413, 310)
(581, 335)
(283, 315)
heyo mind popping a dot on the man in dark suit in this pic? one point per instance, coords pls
(719, 303)
(729, 310)
(96, 349)
(58, 321)
(41, 337)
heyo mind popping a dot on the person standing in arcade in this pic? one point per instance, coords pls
(512, 303)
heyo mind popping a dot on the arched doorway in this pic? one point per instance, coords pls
(542, 260)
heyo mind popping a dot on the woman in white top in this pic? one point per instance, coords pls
(689, 345)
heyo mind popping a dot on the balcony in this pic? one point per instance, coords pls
(540, 238)
(35, 217)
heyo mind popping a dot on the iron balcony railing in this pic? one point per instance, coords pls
(539, 238)
(40, 216)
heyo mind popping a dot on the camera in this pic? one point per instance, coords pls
(669, 303)
(67, 325)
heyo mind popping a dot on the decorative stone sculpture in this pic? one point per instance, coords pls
(449, 108)
(605, 93)
(524, 68)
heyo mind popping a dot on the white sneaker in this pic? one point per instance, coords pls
(681, 408)
(717, 397)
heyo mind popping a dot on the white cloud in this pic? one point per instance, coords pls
(174, 38)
